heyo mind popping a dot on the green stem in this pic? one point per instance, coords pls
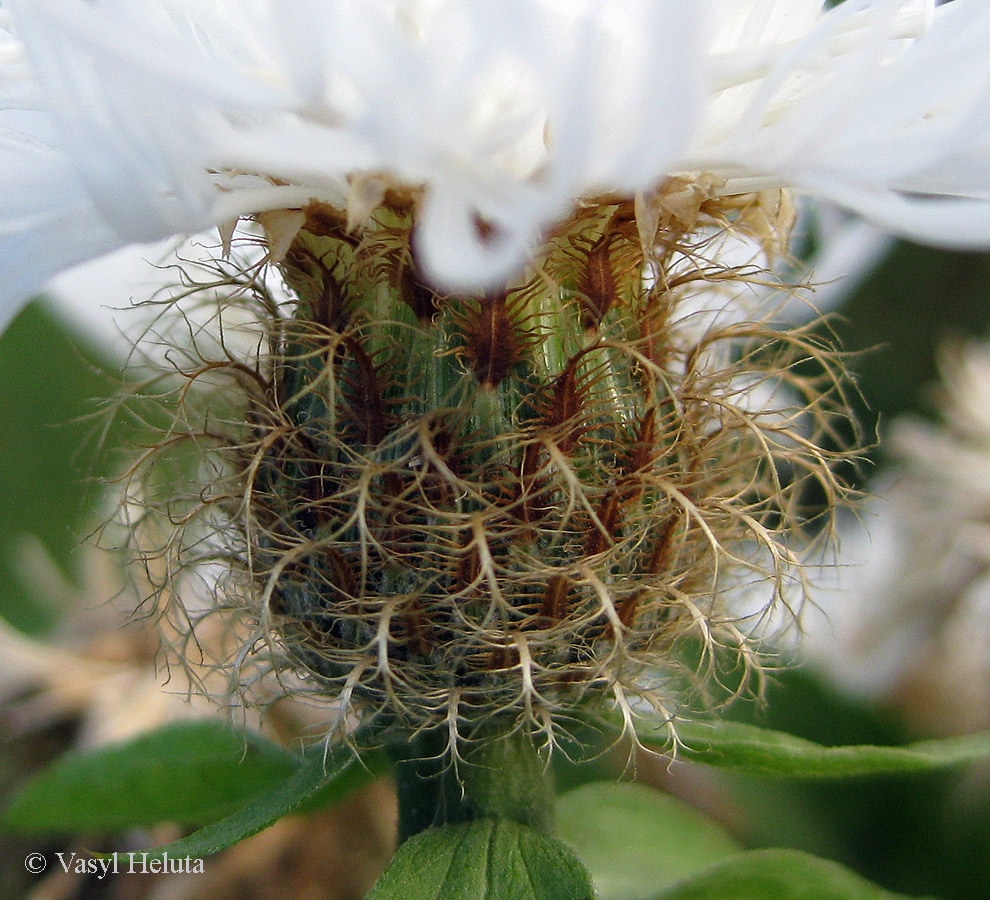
(500, 776)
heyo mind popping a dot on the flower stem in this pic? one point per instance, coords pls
(501, 776)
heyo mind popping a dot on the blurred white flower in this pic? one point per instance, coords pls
(131, 120)
(93, 671)
(909, 620)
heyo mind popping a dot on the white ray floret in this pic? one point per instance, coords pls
(126, 122)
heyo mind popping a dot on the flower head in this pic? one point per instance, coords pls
(124, 122)
(443, 509)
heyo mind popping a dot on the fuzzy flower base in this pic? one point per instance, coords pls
(448, 509)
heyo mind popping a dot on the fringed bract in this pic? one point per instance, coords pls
(448, 508)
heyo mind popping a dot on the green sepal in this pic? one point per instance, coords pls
(488, 859)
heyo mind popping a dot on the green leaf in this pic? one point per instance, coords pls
(489, 859)
(777, 875)
(317, 782)
(635, 840)
(186, 772)
(735, 745)
(50, 380)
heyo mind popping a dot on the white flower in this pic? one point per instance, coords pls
(130, 120)
(908, 618)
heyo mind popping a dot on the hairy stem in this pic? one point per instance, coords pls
(501, 776)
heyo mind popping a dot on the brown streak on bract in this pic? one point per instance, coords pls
(468, 570)
(643, 452)
(563, 413)
(502, 658)
(324, 220)
(629, 607)
(597, 283)
(529, 484)
(325, 296)
(417, 628)
(660, 555)
(606, 528)
(342, 575)
(496, 337)
(366, 397)
(331, 307)
(553, 607)
(630, 485)
(655, 327)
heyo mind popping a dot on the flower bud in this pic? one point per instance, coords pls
(445, 508)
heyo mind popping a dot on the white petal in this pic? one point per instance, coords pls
(644, 96)
(858, 115)
(30, 256)
(949, 222)
(47, 222)
(454, 250)
(166, 116)
(130, 94)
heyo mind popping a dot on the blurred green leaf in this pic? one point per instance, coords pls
(901, 313)
(737, 745)
(49, 382)
(635, 840)
(490, 859)
(777, 875)
(914, 832)
(317, 782)
(187, 772)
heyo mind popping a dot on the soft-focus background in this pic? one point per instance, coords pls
(888, 662)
